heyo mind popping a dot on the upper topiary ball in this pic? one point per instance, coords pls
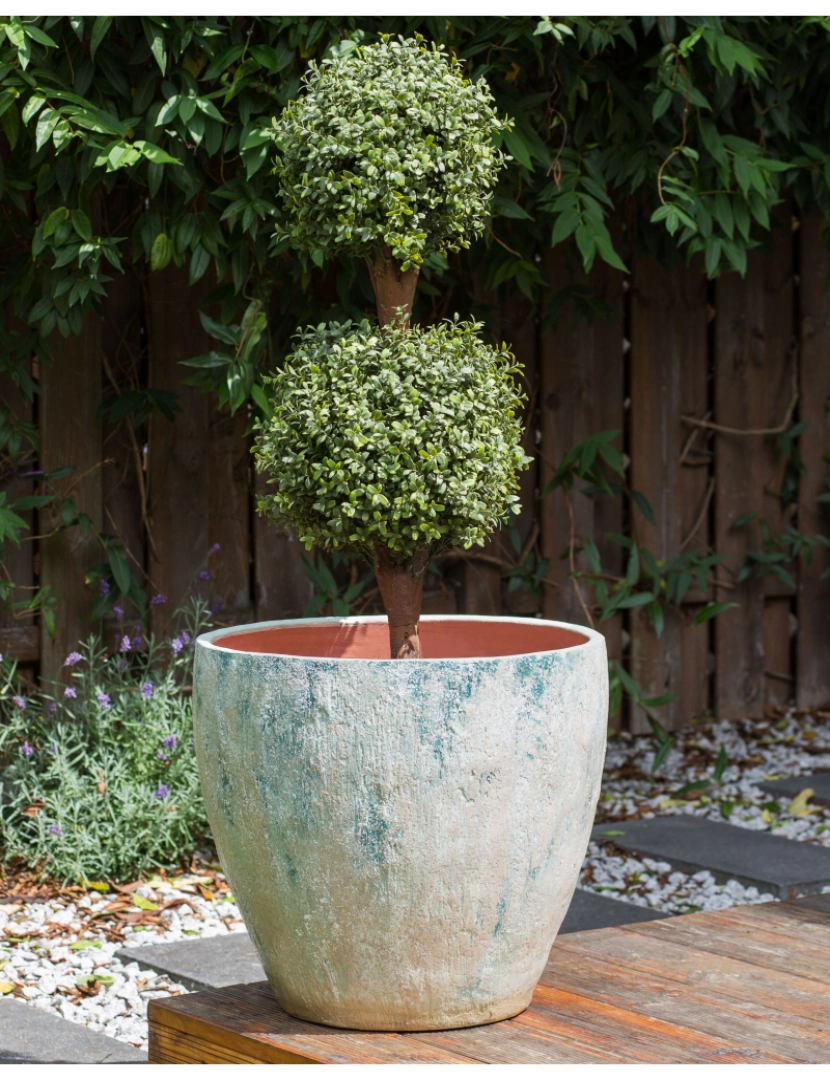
(405, 440)
(389, 145)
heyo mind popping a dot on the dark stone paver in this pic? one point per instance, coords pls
(789, 786)
(201, 963)
(592, 911)
(771, 863)
(30, 1036)
(207, 963)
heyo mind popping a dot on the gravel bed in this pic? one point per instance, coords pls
(57, 950)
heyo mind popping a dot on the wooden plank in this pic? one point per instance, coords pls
(244, 1023)
(229, 513)
(698, 990)
(669, 376)
(581, 393)
(778, 667)
(813, 670)
(281, 588)
(20, 642)
(70, 434)
(753, 384)
(179, 452)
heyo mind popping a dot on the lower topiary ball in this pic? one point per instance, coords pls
(400, 440)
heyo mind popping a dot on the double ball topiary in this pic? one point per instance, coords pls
(389, 441)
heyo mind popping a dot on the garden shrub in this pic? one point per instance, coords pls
(99, 780)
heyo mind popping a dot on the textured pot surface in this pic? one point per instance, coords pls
(403, 838)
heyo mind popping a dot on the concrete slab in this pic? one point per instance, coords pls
(771, 863)
(207, 963)
(201, 963)
(592, 911)
(789, 786)
(30, 1036)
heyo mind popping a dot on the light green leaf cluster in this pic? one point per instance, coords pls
(388, 145)
(407, 440)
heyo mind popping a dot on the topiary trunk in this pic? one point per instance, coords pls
(401, 587)
(394, 288)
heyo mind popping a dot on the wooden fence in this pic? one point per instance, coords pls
(678, 366)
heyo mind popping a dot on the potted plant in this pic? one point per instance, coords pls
(402, 805)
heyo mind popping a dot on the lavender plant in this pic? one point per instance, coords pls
(99, 779)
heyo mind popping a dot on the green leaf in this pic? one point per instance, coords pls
(518, 148)
(661, 104)
(199, 262)
(643, 506)
(120, 568)
(155, 39)
(710, 611)
(81, 224)
(161, 252)
(99, 30)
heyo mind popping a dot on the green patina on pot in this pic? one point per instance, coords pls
(403, 838)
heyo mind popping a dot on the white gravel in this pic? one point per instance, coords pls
(40, 961)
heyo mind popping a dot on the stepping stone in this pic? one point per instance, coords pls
(593, 911)
(201, 963)
(228, 959)
(30, 1036)
(770, 863)
(789, 786)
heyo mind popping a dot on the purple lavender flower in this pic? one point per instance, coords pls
(185, 637)
(169, 743)
(162, 792)
(147, 690)
(213, 549)
(55, 830)
(1, 658)
(52, 708)
(27, 749)
(70, 692)
(159, 598)
(176, 646)
(72, 659)
(53, 749)
(104, 586)
(204, 575)
(103, 700)
(19, 701)
(118, 611)
(161, 755)
(125, 645)
(216, 606)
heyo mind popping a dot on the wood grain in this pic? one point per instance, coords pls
(749, 984)
(813, 670)
(669, 375)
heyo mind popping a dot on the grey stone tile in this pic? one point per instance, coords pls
(771, 863)
(789, 786)
(592, 911)
(201, 963)
(30, 1036)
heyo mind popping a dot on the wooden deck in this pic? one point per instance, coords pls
(747, 984)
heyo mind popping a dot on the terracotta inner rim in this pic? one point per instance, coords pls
(456, 639)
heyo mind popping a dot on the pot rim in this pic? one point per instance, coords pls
(208, 640)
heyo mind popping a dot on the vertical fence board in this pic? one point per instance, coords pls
(229, 515)
(121, 342)
(70, 434)
(581, 393)
(179, 452)
(668, 376)
(752, 386)
(813, 643)
(281, 588)
(777, 652)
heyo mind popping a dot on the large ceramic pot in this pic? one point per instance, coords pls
(403, 838)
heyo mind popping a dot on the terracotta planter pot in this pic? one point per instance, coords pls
(403, 838)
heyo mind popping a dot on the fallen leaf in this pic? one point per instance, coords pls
(87, 981)
(34, 809)
(88, 943)
(98, 886)
(798, 807)
(6, 988)
(613, 832)
(767, 817)
(775, 776)
(145, 904)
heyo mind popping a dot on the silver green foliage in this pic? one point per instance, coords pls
(403, 439)
(388, 145)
